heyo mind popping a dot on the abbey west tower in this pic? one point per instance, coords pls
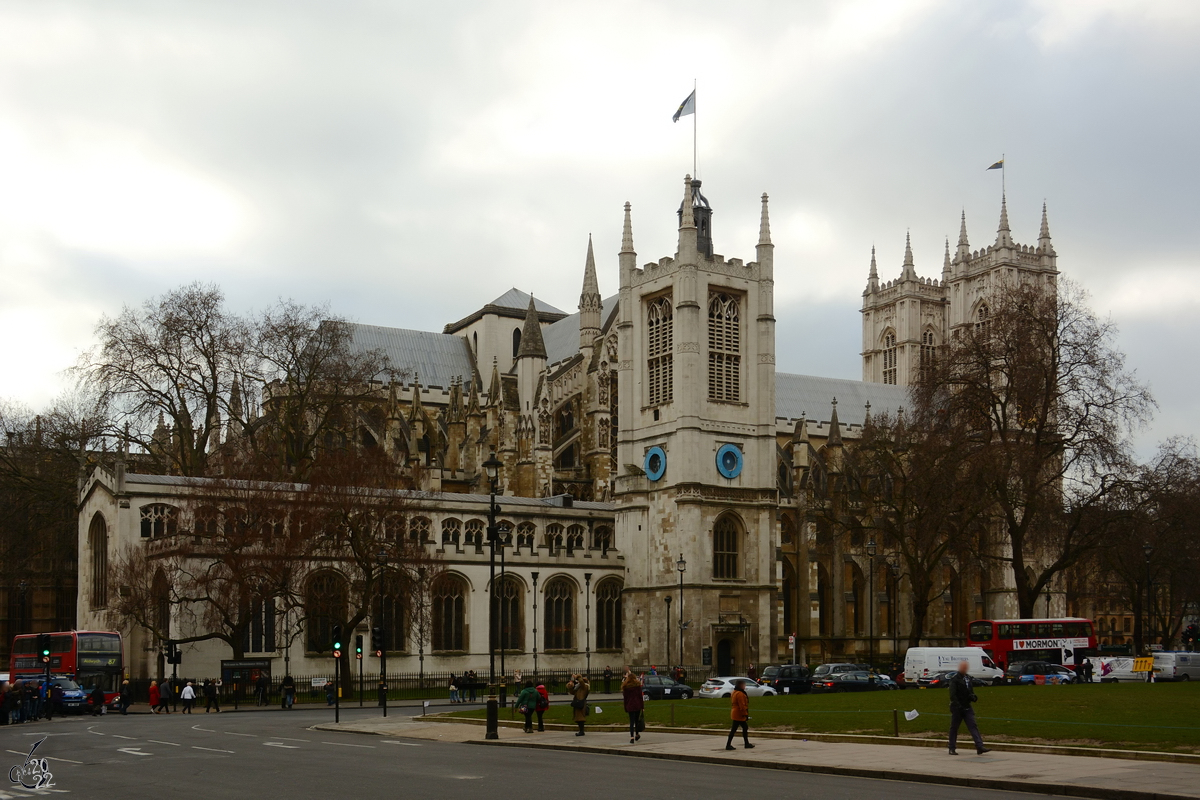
(696, 458)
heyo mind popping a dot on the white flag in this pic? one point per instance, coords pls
(688, 106)
(911, 715)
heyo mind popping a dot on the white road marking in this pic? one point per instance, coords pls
(286, 739)
(344, 744)
(119, 736)
(206, 730)
(51, 758)
(98, 733)
(156, 741)
(406, 744)
(231, 733)
(133, 751)
(210, 749)
(281, 744)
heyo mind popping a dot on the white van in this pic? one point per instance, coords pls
(922, 661)
(1176, 665)
(1117, 670)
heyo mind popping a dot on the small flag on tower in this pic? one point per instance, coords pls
(998, 165)
(688, 106)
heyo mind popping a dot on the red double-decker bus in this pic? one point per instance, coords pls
(1059, 641)
(89, 658)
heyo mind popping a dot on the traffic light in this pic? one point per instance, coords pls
(174, 654)
(43, 646)
(377, 642)
(358, 643)
(337, 641)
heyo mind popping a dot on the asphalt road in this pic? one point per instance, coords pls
(274, 755)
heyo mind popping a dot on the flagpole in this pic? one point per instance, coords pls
(1003, 177)
(695, 171)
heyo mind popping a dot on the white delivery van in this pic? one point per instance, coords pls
(922, 661)
(1176, 665)
(1117, 670)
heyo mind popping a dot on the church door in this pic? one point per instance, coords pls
(724, 657)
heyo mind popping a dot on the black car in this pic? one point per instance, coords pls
(831, 669)
(661, 687)
(847, 682)
(791, 679)
(936, 680)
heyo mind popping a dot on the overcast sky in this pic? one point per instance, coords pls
(408, 161)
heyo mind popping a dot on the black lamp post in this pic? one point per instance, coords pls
(681, 567)
(421, 626)
(491, 469)
(534, 575)
(501, 532)
(871, 604)
(1148, 549)
(894, 601)
(587, 621)
(382, 559)
(668, 626)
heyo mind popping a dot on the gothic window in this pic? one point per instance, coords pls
(574, 538)
(388, 605)
(325, 602)
(525, 534)
(928, 351)
(507, 626)
(889, 358)
(660, 345)
(158, 520)
(206, 523)
(260, 635)
(98, 542)
(983, 319)
(516, 341)
(564, 421)
(569, 457)
(449, 598)
(554, 537)
(451, 529)
(726, 534)
(474, 532)
(393, 528)
(418, 531)
(608, 615)
(724, 348)
(560, 614)
(602, 538)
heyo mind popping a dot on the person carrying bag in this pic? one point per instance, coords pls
(579, 688)
(631, 691)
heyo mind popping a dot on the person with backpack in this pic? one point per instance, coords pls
(740, 714)
(543, 705)
(287, 691)
(631, 691)
(527, 702)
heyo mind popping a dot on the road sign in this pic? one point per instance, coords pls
(792, 640)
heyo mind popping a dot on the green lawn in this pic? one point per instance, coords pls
(1164, 716)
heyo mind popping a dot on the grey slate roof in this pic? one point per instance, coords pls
(515, 298)
(808, 395)
(435, 358)
(562, 337)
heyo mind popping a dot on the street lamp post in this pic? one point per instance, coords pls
(871, 604)
(500, 531)
(534, 575)
(1148, 549)
(491, 468)
(382, 559)
(421, 626)
(895, 603)
(668, 627)
(587, 621)
(681, 566)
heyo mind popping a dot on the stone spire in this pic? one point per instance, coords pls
(764, 224)
(1044, 244)
(627, 258)
(765, 251)
(626, 232)
(687, 220)
(590, 303)
(909, 273)
(235, 399)
(531, 335)
(835, 429)
(964, 246)
(1003, 234)
(946, 263)
(494, 389)
(873, 276)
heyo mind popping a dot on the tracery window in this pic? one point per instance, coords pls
(418, 530)
(507, 625)
(660, 345)
(889, 358)
(525, 533)
(574, 538)
(602, 538)
(724, 348)
(474, 532)
(449, 599)
(98, 542)
(554, 537)
(608, 615)
(560, 614)
(451, 531)
(725, 548)
(159, 519)
(983, 319)
(928, 351)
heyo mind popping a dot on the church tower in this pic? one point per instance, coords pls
(696, 448)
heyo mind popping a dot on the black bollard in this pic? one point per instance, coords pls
(493, 715)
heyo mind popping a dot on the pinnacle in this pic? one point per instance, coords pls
(627, 232)
(962, 231)
(764, 225)
(590, 285)
(532, 343)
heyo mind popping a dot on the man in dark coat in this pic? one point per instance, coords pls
(961, 697)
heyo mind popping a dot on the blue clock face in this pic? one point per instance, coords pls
(656, 463)
(729, 461)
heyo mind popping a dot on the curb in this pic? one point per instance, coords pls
(1067, 790)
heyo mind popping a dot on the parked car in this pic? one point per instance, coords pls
(886, 681)
(936, 680)
(830, 669)
(1176, 665)
(769, 673)
(74, 697)
(1039, 673)
(723, 687)
(860, 681)
(662, 687)
(792, 679)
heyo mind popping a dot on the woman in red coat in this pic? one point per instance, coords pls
(154, 695)
(631, 689)
(739, 712)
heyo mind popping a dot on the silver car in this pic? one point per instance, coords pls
(723, 687)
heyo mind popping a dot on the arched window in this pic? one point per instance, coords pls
(660, 347)
(574, 538)
(726, 534)
(525, 534)
(418, 530)
(554, 537)
(473, 533)
(449, 617)
(889, 357)
(724, 348)
(158, 520)
(389, 606)
(393, 528)
(508, 627)
(560, 614)
(928, 351)
(983, 319)
(98, 542)
(206, 523)
(608, 615)
(516, 337)
(325, 601)
(602, 538)
(451, 531)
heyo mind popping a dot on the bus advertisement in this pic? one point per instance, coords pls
(1012, 641)
(89, 658)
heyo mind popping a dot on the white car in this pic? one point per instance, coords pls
(723, 687)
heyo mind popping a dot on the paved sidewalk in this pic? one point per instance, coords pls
(1077, 776)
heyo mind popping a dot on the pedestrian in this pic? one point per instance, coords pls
(527, 703)
(328, 692)
(961, 697)
(543, 704)
(472, 679)
(154, 693)
(1087, 670)
(262, 687)
(53, 699)
(608, 676)
(579, 688)
(453, 688)
(165, 692)
(126, 698)
(96, 698)
(212, 699)
(653, 670)
(188, 696)
(287, 691)
(4, 712)
(631, 691)
(739, 712)
(752, 673)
